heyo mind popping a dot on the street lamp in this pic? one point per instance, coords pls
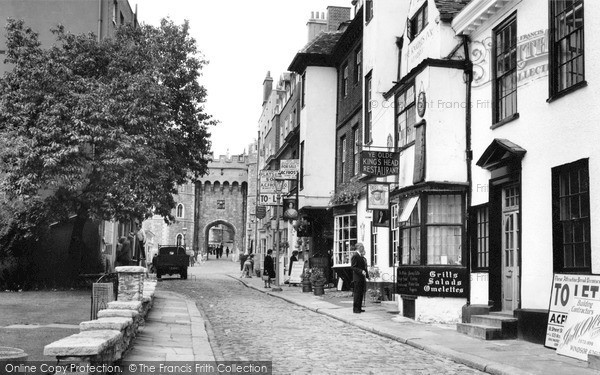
(184, 230)
(278, 188)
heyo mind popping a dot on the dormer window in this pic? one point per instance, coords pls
(418, 22)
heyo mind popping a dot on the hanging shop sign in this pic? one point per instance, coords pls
(268, 183)
(261, 212)
(380, 164)
(570, 298)
(421, 104)
(289, 169)
(378, 196)
(290, 207)
(433, 281)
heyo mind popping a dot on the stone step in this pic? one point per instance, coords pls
(493, 320)
(480, 331)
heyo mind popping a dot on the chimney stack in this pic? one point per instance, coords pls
(267, 87)
(336, 16)
(316, 24)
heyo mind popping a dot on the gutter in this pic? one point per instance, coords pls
(468, 152)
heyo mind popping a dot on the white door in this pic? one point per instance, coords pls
(510, 249)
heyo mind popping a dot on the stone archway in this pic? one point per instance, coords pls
(231, 229)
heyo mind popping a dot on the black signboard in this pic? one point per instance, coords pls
(379, 164)
(433, 281)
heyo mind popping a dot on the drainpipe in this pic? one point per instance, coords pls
(99, 20)
(468, 152)
(255, 249)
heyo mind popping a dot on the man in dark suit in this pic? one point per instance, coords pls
(359, 276)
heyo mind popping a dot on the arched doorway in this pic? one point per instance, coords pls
(216, 233)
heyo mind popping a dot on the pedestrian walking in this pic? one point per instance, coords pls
(360, 275)
(269, 271)
(227, 252)
(248, 267)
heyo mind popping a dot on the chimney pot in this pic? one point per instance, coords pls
(312, 14)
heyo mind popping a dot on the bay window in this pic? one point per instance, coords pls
(430, 229)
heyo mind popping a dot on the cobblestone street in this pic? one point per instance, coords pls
(248, 325)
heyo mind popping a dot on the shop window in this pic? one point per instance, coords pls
(410, 232)
(373, 245)
(505, 70)
(480, 243)
(444, 229)
(566, 46)
(369, 111)
(571, 217)
(418, 22)
(344, 239)
(432, 237)
(406, 116)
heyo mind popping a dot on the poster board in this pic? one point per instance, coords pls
(567, 296)
(296, 275)
(581, 333)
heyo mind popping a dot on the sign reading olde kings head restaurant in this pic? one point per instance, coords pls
(433, 281)
(380, 164)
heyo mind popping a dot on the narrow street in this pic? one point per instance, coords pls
(244, 324)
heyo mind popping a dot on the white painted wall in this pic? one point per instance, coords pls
(553, 134)
(318, 134)
(445, 130)
(380, 55)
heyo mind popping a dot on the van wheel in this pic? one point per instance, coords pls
(184, 274)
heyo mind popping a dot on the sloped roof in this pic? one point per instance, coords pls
(449, 8)
(317, 52)
(498, 152)
(323, 43)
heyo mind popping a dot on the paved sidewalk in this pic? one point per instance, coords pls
(495, 357)
(174, 331)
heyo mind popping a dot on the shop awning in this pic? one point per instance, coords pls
(408, 209)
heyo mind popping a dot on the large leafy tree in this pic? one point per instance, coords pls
(100, 129)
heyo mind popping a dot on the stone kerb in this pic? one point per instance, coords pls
(131, 283)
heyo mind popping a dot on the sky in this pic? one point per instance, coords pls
(242, 40)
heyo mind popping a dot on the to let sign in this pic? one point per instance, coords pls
(570, 293)
(379, 164)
